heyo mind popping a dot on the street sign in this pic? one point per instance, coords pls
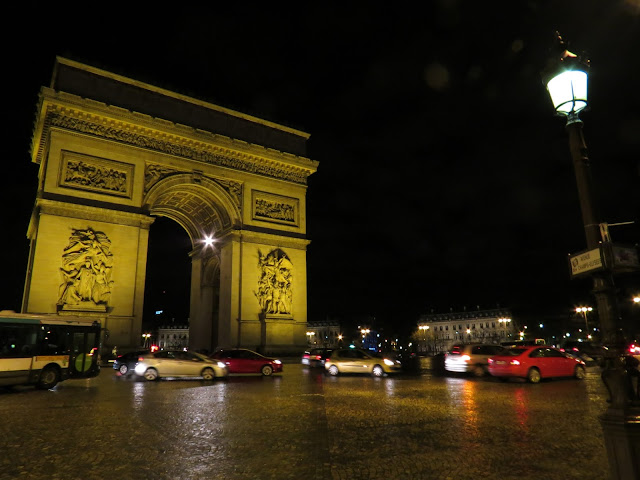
(586, 262)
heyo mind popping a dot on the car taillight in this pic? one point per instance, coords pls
(318, 357)
(140, 359)
(514, 362)
(490, 361)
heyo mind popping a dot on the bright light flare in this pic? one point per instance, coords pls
(208, 241)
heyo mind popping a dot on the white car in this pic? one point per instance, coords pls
(178, 363)
(470, 358)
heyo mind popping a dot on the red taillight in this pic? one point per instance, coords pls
(140, 359)
(318, 357)
(490, 361)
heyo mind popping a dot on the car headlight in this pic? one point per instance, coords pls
(140, 368)
(222, 365)
(388, 362)
(277, 361)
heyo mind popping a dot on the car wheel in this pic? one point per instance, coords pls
(49, 377)
(333, 370)
(377, 371)
(151, 374)
(267, 370)
(580, 372)
(533, 375)
(479, 370)
(208, 374)
(123, 369)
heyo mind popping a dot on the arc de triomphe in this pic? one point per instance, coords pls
(114, 153)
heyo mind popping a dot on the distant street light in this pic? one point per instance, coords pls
(583, 311)
(145, 341)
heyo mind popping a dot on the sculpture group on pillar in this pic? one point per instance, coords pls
(275, 280)
(86, 269)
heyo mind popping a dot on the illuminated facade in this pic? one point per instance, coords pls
(324, 334)
(114, 153)
(438, 332)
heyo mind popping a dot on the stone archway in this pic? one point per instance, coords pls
(115, 153)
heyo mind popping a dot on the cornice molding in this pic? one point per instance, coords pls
(85, 212)
(69, 112)
(245, 236)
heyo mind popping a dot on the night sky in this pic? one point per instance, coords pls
(445, 180)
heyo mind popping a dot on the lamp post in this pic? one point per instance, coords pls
(583, 311)
(566, 80)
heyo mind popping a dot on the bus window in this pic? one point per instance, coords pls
(16, 341)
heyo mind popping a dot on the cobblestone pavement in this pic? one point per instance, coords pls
(304, 425)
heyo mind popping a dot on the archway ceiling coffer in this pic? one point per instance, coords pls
(155, 172)
(233, 154)
(188, 205)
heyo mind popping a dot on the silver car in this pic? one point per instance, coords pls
(355, 360)
(470, 358)
(178, 363)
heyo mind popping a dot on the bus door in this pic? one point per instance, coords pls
(83, 358)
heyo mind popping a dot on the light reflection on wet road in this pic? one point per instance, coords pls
(303, 425)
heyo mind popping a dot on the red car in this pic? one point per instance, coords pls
(534, 363)
(241, 360)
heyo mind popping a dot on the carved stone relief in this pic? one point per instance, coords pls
(216, 156)
(275, 282)
(275, 208)
(154, 173)
(95, 174)
(86, 271)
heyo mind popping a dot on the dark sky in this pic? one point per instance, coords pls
(445, 180)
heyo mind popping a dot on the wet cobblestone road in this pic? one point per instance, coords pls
(303, 425)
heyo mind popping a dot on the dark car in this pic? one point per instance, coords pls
(590, 353)
(125, 364)
(316, 357)
(242, 360)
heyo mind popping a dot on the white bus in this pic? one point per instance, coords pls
(43, 350)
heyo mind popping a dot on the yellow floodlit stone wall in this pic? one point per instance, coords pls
(109, 169)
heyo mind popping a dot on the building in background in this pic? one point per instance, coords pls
(438, 332)
(172, 337)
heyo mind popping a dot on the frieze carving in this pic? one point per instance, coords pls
(275, 282)
(237, 161)
(234, 189)
(86, 271)
(154, 173)
(95, 174)
(275, 208)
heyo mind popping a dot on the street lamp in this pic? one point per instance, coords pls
(583, 311)
(565, 77)
(146, 337)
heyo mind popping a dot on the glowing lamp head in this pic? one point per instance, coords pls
(566, 80)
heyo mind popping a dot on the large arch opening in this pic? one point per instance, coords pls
(168, 277)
